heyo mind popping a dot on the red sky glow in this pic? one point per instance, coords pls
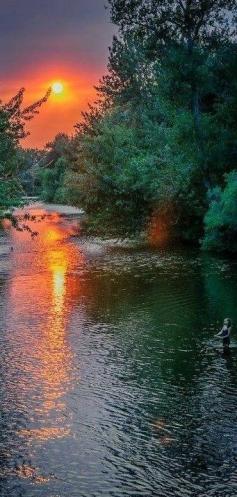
(71, 47)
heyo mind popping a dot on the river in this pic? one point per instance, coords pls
(109, 382)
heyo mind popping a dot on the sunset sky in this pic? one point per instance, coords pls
(48, 41)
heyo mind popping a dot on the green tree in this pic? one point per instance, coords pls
(53, 170)
(13, 117)
(178, 37)
(221, 217)
(163, 133)
(29, 161)
(160, 22)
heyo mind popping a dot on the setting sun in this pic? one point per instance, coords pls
(57, 88)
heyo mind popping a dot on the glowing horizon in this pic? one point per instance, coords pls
(70, 48)
(62, 110)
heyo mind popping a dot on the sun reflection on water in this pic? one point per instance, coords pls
(40, 343)
(59, 287)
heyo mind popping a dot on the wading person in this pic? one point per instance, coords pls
(224, 334)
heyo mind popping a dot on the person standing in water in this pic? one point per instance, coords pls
(225, 332)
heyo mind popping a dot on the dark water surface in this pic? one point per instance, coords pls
(105, 388)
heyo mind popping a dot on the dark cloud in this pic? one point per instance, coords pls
(74, 31)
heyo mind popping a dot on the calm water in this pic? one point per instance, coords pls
(105, 388)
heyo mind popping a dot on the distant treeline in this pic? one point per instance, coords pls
(158, 150)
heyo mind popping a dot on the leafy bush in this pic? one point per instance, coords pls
(221, 218)
(51, 182)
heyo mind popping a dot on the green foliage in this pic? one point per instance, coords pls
(9, 194)
(51, 180)
(13, 117)
(162, 21)
(150, 149)
(29, 161)
(221, 217)
(163, 131)
(51, 174)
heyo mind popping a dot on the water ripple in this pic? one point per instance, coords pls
(108, 385)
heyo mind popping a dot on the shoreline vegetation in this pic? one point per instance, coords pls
(157, 152)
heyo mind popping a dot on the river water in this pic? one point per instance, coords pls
(110, 385)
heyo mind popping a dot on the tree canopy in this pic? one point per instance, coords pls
(157, 152)
(13, 119)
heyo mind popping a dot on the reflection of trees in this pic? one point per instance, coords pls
(212, 446)
(154, 322)
(158, 314)
(212, 432)
(221, 286)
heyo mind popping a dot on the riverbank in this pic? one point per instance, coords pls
(157, 234)
(61, 210)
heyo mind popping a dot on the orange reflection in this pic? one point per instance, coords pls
(44, 434)
(161, 226)
(25, 472)
(59, 288)
(40, 305)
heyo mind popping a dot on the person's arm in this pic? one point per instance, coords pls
(223, 333)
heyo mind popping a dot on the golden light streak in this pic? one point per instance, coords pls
(47, 296)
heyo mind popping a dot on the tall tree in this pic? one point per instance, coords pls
(178, 21)
(187, 24)
(167, 135)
